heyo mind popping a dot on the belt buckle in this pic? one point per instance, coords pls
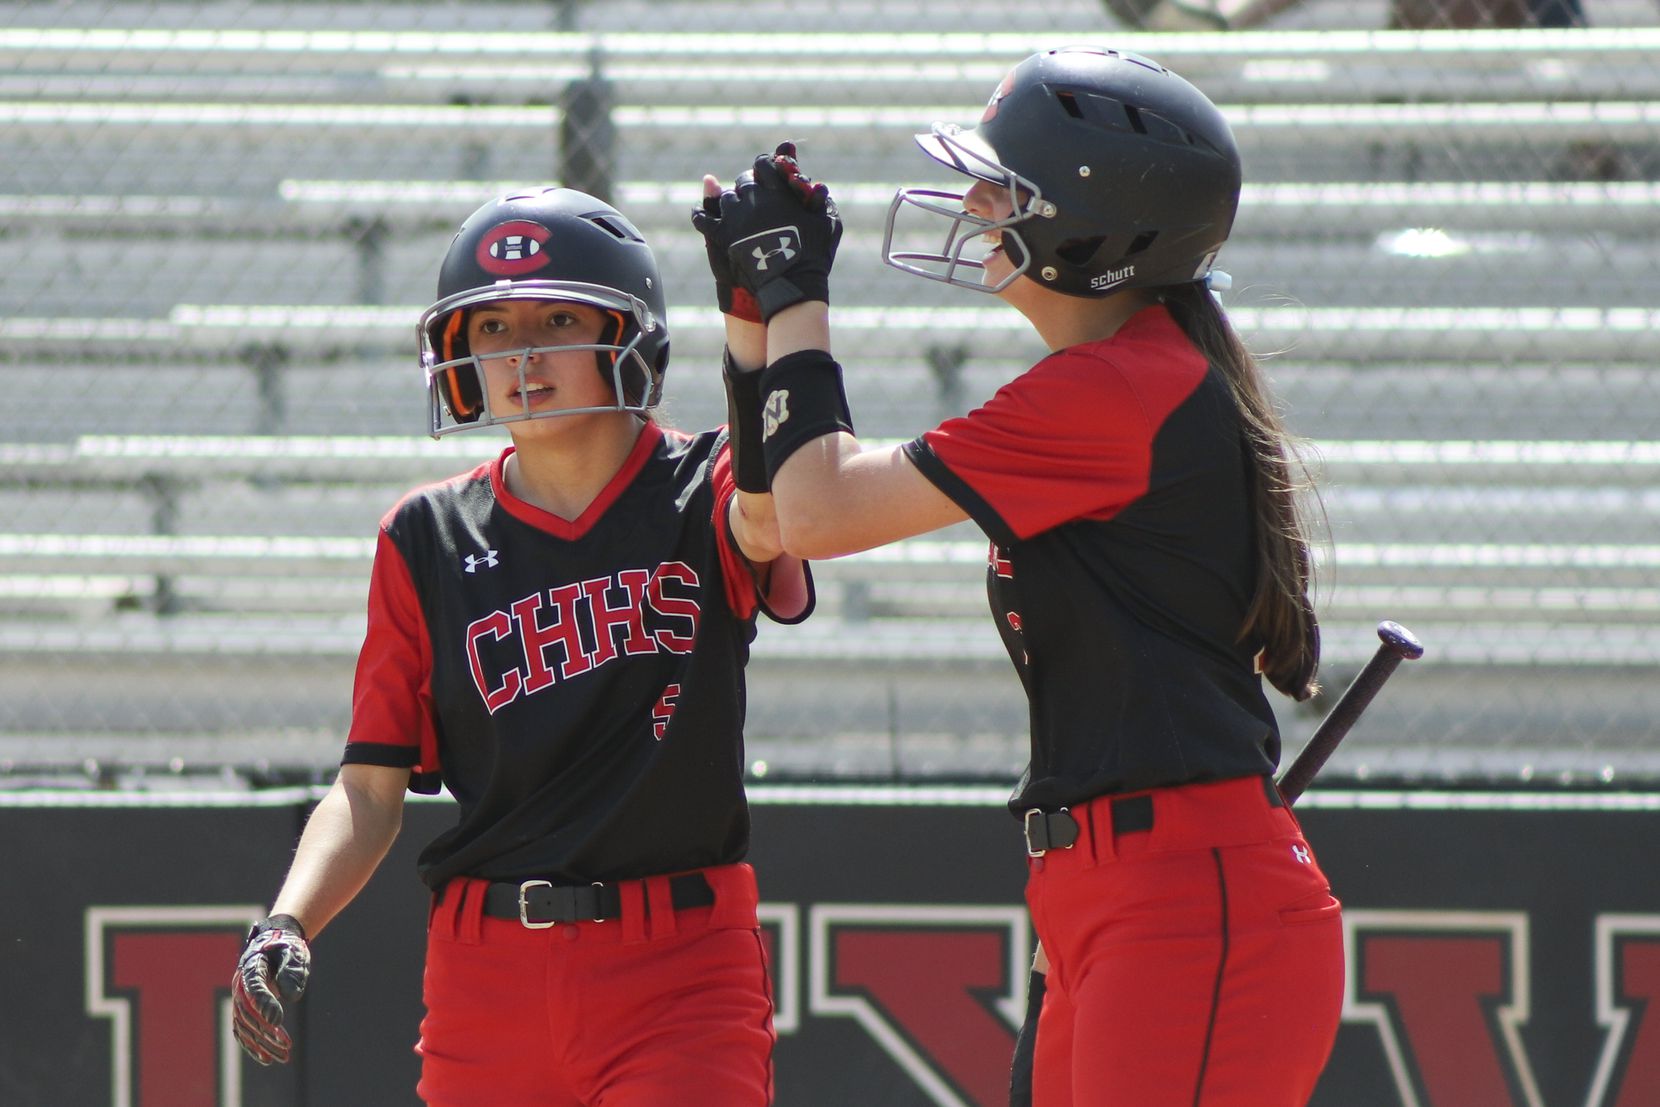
(1027, 830)
(524, 908)
(1027, 826)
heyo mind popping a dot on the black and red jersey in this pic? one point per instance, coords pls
(576, 685)
(1112, 479)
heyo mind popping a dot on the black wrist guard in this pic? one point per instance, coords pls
(804, 400)
(743, 418)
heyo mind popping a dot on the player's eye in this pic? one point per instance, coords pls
(564, 319)
(491, 326)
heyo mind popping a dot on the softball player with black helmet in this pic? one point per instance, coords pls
(559, 638)
(1148, 566)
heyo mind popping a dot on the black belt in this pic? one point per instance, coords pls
(1047, 830)
(541, 903)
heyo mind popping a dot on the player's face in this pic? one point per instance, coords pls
(991, 202)
(513, 330)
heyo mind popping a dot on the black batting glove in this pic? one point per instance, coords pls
(781, 230)
(273, 969)
(733, 299)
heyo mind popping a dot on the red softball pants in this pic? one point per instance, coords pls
(661, 1006)
(1198, 963)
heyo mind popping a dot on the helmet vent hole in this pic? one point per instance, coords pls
(1069, 104)
(616, 228)
(1135, 119)
(1079, 251)
(1141, 242)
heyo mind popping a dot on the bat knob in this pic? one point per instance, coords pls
(1401, 640)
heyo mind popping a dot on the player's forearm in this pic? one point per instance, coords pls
(746, 342)
(806, 488)
(345, 839)
(803, 326)
(754, 522)
(816, 503)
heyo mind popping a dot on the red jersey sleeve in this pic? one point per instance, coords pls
(1070, 438)
(392, 714)
(784, 591)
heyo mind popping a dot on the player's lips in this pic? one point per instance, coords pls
(532, 393)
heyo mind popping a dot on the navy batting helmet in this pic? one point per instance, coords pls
(550, 244)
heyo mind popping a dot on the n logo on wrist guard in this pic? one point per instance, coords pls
(775, 413)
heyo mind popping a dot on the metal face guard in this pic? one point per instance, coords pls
(623, 358)
(947, 263)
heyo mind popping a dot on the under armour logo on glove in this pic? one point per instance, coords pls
(783, 251)
(782, 243)
(788, 259)
(775, 414)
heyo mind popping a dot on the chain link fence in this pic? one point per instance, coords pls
(220, 221)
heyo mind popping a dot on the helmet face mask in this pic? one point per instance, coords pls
(459, 400)
(555, 245)
(947, 263)
(1121, 175)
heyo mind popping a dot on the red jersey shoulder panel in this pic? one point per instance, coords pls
(1072, 436)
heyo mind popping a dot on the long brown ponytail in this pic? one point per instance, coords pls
(1280, 619)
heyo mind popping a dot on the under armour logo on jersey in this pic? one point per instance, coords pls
(488, 561)
(759, 251)
(775, 413)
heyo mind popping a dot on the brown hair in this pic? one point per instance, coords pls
(1280, 620)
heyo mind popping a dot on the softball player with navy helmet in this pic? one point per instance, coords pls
(558, 637)
(1148, 566)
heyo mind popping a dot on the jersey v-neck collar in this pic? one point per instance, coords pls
(573, 529)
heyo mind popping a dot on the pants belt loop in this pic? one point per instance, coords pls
(445, 902)
(632, 893)
(661, 906)
(1096, 830)
(469, 912)
(735, 896)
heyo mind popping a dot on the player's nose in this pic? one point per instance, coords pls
(526, 355)
(980, 200)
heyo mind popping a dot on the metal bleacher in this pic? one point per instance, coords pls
(217, 229)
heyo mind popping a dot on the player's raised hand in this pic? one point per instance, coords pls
(733, 299)
(782, 170)
(781, 229)
(273, 969)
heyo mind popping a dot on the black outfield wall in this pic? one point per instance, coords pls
(1503, 949)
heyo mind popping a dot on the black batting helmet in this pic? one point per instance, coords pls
(1121, 175)
(549, 244)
